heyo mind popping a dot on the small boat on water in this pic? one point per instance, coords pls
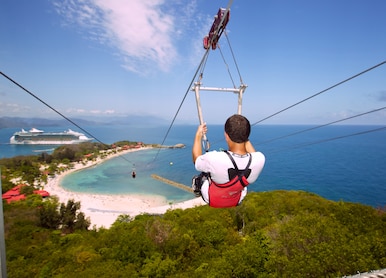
(39, 137)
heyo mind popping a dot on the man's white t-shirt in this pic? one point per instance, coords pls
(217, 164)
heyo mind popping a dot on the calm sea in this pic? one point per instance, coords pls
(350, 168)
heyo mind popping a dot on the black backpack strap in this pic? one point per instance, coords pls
(234, 163)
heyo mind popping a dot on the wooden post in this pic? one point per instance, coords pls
(2, 240)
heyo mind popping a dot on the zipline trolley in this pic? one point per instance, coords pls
(210, 41)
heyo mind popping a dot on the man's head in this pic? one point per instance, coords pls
(238, 128)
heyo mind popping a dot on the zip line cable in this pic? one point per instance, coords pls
(56, 111)
(299, 146)
(315, 127)
(331, 139)
(321, 92)
(226, 65)
(201, 66)
(287, 108)
(203, 61)
(323, 125)
(46, 104)
(234, 58)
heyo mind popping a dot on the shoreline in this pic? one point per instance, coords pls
(103, 210)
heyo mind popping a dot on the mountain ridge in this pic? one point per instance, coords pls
(23, 122)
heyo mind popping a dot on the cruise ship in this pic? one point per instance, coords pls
(39, 137)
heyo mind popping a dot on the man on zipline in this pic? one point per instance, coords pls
(226, 174)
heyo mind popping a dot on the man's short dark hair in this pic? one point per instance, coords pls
(238, 128)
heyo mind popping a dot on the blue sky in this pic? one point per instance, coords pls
(96, 58)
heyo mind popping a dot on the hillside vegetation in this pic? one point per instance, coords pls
(272, 234)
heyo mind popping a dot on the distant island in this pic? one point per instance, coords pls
(176, 146)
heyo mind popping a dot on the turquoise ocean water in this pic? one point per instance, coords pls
(350, 168)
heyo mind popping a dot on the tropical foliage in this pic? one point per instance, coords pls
(272, 234)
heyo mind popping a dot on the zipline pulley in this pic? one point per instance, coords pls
(210, 41)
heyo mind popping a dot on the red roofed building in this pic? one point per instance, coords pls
(15, 195)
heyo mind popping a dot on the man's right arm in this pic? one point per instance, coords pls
(249, 148)
(197, 148)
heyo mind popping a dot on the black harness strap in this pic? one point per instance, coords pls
(239, 173)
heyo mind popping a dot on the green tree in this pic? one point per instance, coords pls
(123, 218)
(70, 218)
(49, 216)
(81, 222)
(158, 267)
(27, 190)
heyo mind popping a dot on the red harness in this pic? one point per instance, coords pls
(228, 194)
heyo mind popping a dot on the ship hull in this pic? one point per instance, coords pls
(39, 137)
(37, 142)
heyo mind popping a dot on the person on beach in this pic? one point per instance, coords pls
(225, 175)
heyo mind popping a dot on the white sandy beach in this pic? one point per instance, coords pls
(103, 210)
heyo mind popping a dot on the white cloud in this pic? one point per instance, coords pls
(109, 111)
(75, 111)
(102, 112)
(85, 112)
(12, 109)
(143, 32)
